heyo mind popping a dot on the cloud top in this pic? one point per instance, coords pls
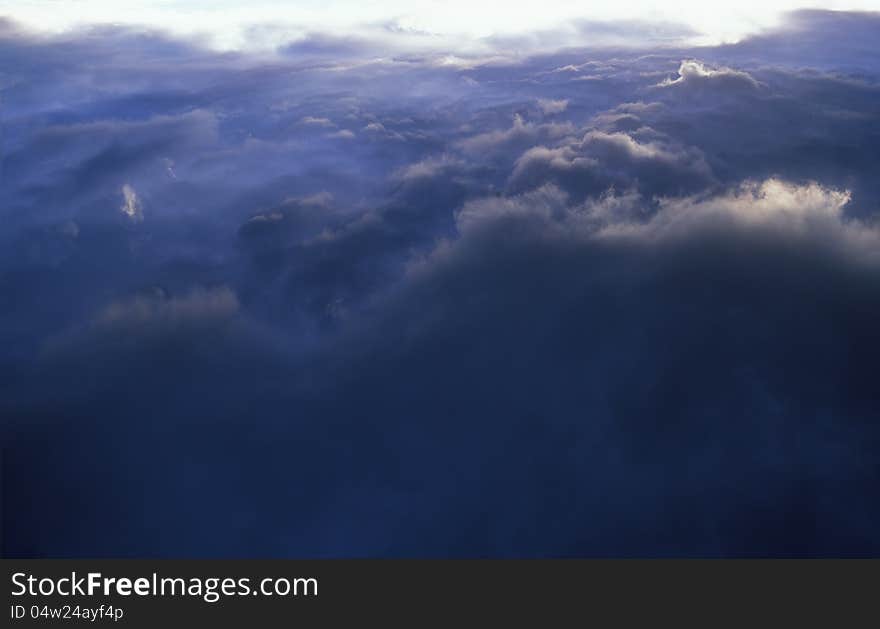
(338, 298)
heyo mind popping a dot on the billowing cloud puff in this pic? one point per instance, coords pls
(562, 158)
(696, 75)
(625, 146)
(601, 160)
(809, 213)
(540, 164)
(521, 134)
(793, 210)
(427, 168)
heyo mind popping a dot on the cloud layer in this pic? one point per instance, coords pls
(332, 302)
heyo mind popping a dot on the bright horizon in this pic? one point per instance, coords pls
(263, 24)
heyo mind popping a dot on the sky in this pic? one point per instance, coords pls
(425, 280)
(227, 23)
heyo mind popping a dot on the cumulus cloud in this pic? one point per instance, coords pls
(540, 163)
(521, 133)
(622, 146)
(771, 200)
(809, 213)
(620, 318)
(600, 160)
(427, 168)
(694, 74)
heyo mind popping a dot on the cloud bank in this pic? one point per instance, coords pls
(326, 302)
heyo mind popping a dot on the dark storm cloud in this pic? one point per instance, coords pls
(341, 301)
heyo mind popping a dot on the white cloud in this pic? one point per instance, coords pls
(549, 106)
(788, 212)
(772, 201)
(229, 23)
(426, 168)
(520, 131)
(695, 72)
(317, 122)
(343, 134)
(561, 158)
(131, 205)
